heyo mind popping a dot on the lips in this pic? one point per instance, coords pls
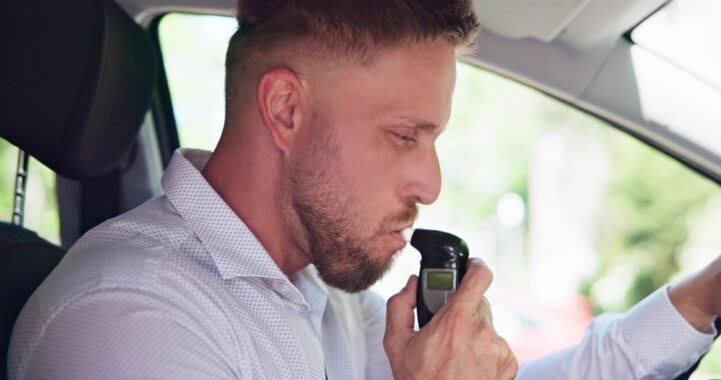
(394, 225)
(398, 235)
(397, 241)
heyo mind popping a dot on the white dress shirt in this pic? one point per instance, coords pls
(179, 288)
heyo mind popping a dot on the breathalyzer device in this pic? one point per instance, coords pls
(443, 264)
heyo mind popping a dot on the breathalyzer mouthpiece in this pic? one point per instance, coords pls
(407, 234)
(439, 248)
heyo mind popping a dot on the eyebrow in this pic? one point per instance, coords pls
(423, 124)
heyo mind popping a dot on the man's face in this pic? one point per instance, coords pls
(369, 158)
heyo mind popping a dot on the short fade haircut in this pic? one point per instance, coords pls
(346, 31)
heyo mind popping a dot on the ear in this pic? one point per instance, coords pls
(280, 103)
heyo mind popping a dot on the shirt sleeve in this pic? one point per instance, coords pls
(374, 316)
(650, 341)
(124, 334)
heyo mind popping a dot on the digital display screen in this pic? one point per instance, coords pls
(439, 281)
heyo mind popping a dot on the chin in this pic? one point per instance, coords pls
(358, 277)
(383, 257)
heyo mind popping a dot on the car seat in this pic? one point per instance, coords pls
(77, 78)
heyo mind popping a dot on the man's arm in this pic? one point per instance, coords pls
(122, 334)
(659, 338)
(698, 297)
(652, 341)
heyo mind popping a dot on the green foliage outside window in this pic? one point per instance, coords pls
(41, 210)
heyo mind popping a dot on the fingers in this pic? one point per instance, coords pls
(507, 364)
(459, 341)
(473, 287)
(399, 316)
(484, 309)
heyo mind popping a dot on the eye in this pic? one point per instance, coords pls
(403, 139)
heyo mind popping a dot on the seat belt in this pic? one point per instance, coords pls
(21, 179)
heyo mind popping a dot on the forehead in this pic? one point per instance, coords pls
(411, 82)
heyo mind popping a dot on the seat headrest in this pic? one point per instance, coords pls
(75, 82)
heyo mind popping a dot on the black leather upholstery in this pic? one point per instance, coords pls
(25, 261)
(76, 82)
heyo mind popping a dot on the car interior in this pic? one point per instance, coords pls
(81, 118)
(85, 92)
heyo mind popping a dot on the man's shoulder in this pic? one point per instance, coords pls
(129, 247)
(149, 249)
(155, 221)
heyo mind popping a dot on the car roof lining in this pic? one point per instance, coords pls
(579, 50)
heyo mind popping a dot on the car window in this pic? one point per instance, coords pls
(193, 50)
(676, 66)
(575, 217)
(41, 209)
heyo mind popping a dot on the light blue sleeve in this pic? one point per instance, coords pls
(650, 341)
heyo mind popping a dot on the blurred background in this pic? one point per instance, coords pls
(574, 217)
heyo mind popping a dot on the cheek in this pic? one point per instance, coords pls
(373, 168)
(365, 159)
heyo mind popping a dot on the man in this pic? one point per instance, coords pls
(255, 262)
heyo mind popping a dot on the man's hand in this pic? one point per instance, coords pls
(698, 297)
(458, 343)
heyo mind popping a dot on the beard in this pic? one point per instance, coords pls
(336, 235)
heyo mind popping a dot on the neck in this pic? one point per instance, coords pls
(248, 179)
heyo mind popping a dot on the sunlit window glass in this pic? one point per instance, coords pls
(688, 33)
(41, 207)
(194, 54)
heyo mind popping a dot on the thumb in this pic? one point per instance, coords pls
(399, 316)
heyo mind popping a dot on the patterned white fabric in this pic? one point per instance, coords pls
(650, 341)
(179, 288)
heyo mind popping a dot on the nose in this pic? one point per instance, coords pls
(422, 181)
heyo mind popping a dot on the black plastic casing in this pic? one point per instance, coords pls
(438, 249)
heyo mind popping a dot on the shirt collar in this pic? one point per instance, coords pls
(234, 249)
(315, 293)
(313, 288)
